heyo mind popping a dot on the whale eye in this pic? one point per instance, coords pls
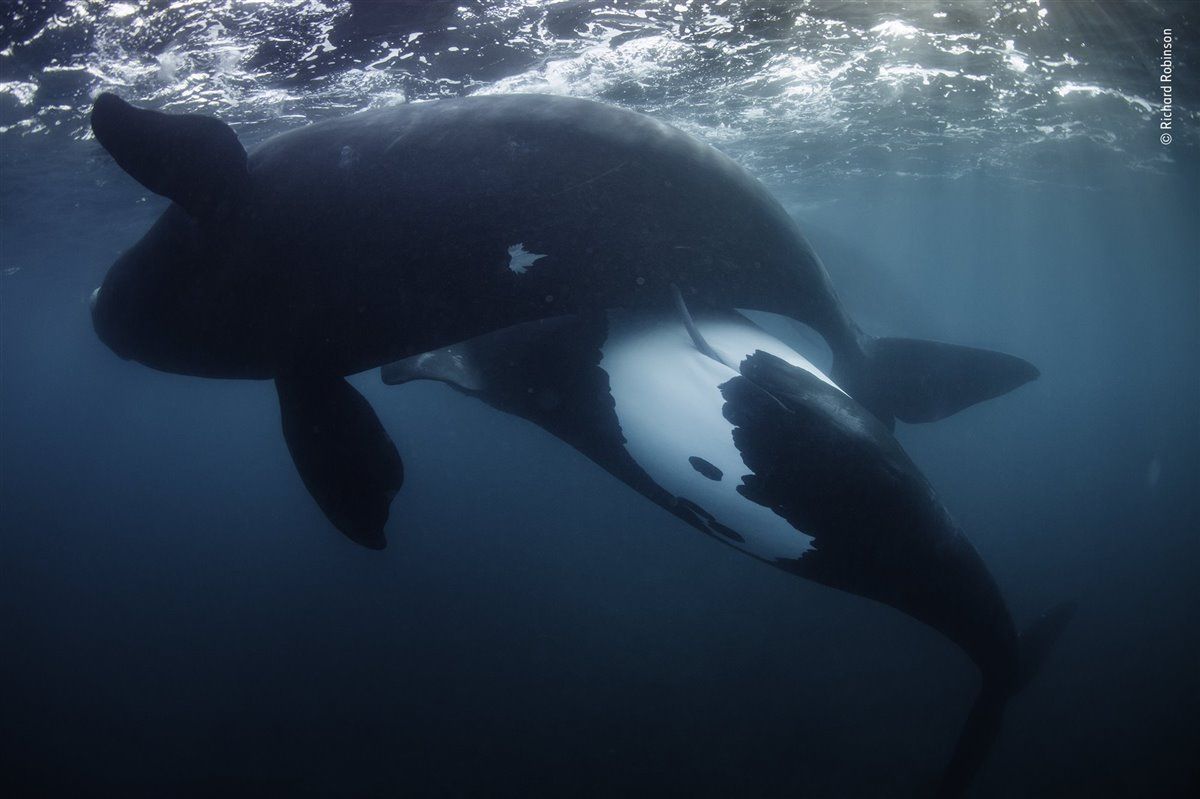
(705, 468)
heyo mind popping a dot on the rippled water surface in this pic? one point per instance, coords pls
(802, 89)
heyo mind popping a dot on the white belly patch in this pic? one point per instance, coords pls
(669, 404)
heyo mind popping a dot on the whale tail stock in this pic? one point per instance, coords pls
(983, 723)
(923, 381)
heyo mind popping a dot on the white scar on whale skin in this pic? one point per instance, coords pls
(520, 259)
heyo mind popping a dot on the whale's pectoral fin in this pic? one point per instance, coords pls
(547, 372)
(527, 369)
(194, 160)
(853, 480)
(345, 457)
(924, 381)
(455, 366)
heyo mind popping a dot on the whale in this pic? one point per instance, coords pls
(358, 241)
(745, 439)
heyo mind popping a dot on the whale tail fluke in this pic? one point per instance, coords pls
(922, 381)
(975, 741)
(982, 725)
(1039, 638)
(194, 160)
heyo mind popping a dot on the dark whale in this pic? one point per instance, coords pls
(746, 440)
(354, 242)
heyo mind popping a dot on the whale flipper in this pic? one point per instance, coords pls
(923, 381)
(453, 365)
(345, 457)
(194, 160)
(547, 372)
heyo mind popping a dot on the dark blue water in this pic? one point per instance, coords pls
(178, 618)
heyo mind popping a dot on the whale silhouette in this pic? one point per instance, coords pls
(745, 439)
(354, 242)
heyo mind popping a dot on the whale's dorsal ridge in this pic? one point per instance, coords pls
(194, 160)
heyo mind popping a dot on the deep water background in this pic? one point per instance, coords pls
(178, 618)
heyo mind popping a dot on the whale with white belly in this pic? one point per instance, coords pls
(353, 242)
(745, 439)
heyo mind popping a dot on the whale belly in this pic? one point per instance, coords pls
(668, 400)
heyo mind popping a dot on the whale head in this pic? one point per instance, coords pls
(145, 308)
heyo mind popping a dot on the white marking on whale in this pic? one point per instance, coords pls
(656, 419)
(669, 404)
(520, 259)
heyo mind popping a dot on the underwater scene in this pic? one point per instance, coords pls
(581, 398)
